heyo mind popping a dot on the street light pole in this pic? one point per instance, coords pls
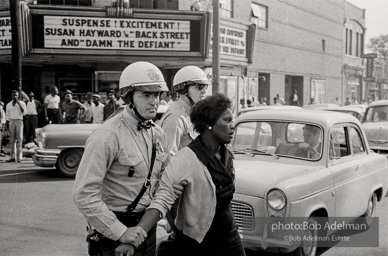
(216, 45)
(14, 6)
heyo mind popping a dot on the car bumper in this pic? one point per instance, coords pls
(45, 158)
(258, 235)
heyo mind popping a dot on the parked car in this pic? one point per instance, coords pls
(356, 112)
(321, 106)
(272, 107)
(62, 145)
(375, 125)
(341, 177)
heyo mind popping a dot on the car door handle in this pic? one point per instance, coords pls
(358, 167)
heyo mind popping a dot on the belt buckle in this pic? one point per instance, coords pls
(147, 183)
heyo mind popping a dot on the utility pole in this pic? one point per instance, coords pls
(14, 8)
(216, 46)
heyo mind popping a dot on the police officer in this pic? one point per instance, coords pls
(191, 84)
(125, 155)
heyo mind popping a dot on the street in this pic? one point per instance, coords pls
(38, 217)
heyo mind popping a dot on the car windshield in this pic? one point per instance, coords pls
(287, 139)
(376, 114)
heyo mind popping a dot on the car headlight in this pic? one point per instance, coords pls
(276, 199)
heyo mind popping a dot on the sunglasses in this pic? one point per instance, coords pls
(200, 87)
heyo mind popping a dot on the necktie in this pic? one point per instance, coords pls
(145, 125)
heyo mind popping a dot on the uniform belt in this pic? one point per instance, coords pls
(129, 219)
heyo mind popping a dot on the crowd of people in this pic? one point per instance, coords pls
(24, 113)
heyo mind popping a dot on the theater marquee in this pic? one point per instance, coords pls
(93, 33)
(120, 34)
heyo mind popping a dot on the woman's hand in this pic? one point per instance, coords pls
(179, 187)
(125, 250)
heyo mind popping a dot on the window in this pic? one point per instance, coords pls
(357, 145)
(357, 43)
(346, 41)
(361, 44)
(350, 41)
(338, 143)
(66, 2)
(226, 8)
(323, 45)
(260, 15)
(253, 135)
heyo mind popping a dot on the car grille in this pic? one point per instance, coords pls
(243, 214)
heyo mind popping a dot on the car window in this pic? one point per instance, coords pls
(296, 140)
(338, 143)
(357, 144)
(376, 114)
(256, 135)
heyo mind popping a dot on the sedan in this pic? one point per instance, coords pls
(302, 166)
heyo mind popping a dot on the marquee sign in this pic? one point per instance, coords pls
(68, 32)
(144, 33)
(5, 33)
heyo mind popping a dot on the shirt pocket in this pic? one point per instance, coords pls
(128, 165)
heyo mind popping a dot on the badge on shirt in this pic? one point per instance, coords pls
(159, 147)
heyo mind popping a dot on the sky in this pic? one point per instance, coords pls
(376, 17)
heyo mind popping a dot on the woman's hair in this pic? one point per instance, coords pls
(206, 112)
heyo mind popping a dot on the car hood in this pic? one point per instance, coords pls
(253, 177)
(69, 127)
(376, 133)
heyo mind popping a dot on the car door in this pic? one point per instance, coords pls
(346, 166)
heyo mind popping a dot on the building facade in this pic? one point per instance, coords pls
(267, 47)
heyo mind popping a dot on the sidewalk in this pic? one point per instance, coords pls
(26, 164)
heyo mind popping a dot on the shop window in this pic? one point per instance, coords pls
(226, 8)
(67, 2)
(259, 15)
(106, 80)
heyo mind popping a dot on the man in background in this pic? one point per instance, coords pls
(111, 106)
(34, 107)
(72, 109)
(51, 107)
(88, 114)
(15, 110)
(97, 110)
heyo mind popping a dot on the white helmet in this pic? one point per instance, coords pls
(142, 76)
(189, 75)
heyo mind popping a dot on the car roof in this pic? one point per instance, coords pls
(272, 107)
(321, 105)
(320, 117)
(379, 103)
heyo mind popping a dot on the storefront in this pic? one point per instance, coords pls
(85, 49)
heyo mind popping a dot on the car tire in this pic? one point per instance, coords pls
(309, 248)
(370, 212)
(68, 162)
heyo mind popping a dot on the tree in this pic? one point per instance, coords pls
(379, 45)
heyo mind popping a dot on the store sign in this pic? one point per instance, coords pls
(67, 32)
(5, 33)
(233, 41)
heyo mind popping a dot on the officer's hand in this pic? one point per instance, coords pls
(134, 236)
(179, 187)
(125, 250)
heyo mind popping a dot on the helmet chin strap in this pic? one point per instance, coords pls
(190, 99)
(142, 119)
